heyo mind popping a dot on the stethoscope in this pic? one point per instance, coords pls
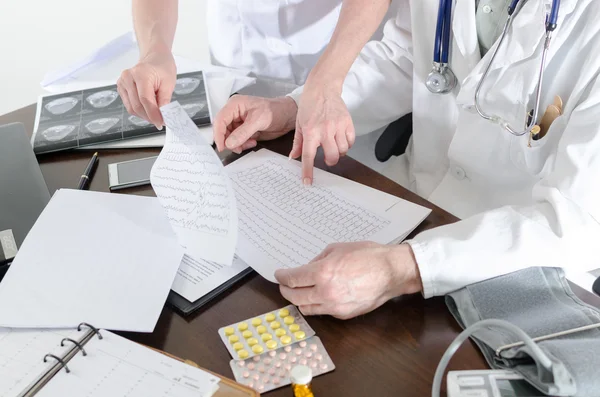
(442, 80)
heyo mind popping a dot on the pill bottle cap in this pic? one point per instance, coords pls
(301, 375)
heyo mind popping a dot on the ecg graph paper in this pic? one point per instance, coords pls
(289, 223)
(192, 185)
(116, 367)
(21, 356)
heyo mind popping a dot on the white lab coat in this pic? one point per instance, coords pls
(521, 206)
(280, 39)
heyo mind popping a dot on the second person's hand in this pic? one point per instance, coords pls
(149, 85)
(323, 120)
(244, 120)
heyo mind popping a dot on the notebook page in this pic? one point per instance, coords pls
(286, 224)
(117, 367)
(22, 352)
(191, 184)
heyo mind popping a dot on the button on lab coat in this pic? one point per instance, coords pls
(520, 206)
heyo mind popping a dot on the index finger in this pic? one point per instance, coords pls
(148, 99)
(303, 276)
(309, 152)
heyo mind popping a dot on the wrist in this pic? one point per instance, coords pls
(155, 48)
(405, 276)
(289, 108)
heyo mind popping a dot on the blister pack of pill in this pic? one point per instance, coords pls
(265, 333)
(272, 370)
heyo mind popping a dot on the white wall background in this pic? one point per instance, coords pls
(37, 36)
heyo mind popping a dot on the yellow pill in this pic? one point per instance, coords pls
(286, 339)
(242, 353)
(275, 325)
(233, 338)
(242, 326)
(266, 337)
(284, 313)
(288, 320)
(280, 332)
(238, 346)
(256, 321)
(229, 331)
(261, 329)
(252, 341)
(257, 349)
(271, 344)
(294, 327)
(299, 335)
(246, 334)
(270, 317)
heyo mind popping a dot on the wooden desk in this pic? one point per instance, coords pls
(392, 351)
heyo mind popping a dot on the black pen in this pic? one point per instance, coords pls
(85, 178)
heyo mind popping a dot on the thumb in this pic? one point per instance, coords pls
(163, 97)
(240, 135)
(297, 145)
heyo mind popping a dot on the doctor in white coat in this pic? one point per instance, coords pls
(522, 202)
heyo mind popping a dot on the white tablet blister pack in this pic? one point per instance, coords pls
(270, 371)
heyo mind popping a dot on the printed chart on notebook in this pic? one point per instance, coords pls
(285, 224)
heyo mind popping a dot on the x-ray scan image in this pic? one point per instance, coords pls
(102, 99)
(140, 122)
(101, 125)
(61, 105)
(58, 132)
(186, 85)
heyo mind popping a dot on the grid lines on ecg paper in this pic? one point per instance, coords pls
(189, 181)
(317, 207)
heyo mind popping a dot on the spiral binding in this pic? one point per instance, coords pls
(61, 362)
(94, 329)
(62, 343)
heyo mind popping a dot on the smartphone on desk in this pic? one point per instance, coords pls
(130, 173)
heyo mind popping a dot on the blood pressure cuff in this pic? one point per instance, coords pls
(540, 302)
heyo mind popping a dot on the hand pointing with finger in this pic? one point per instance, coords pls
(323, 120)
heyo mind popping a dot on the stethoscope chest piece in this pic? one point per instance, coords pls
(441, 80)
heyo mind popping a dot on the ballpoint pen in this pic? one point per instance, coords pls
(85, 177)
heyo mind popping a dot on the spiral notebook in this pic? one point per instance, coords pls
(93, 363)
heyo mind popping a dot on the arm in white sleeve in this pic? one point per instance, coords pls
(560, 230)
(378, 88)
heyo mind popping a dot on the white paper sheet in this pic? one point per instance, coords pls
(197, 278)
(192, 185)
(22, 352)
(285, 224)
(115, 366)
(106, 259)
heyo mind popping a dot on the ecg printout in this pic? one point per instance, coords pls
(286, 224)
(192, 185)
(22, 352)
(117, 367)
